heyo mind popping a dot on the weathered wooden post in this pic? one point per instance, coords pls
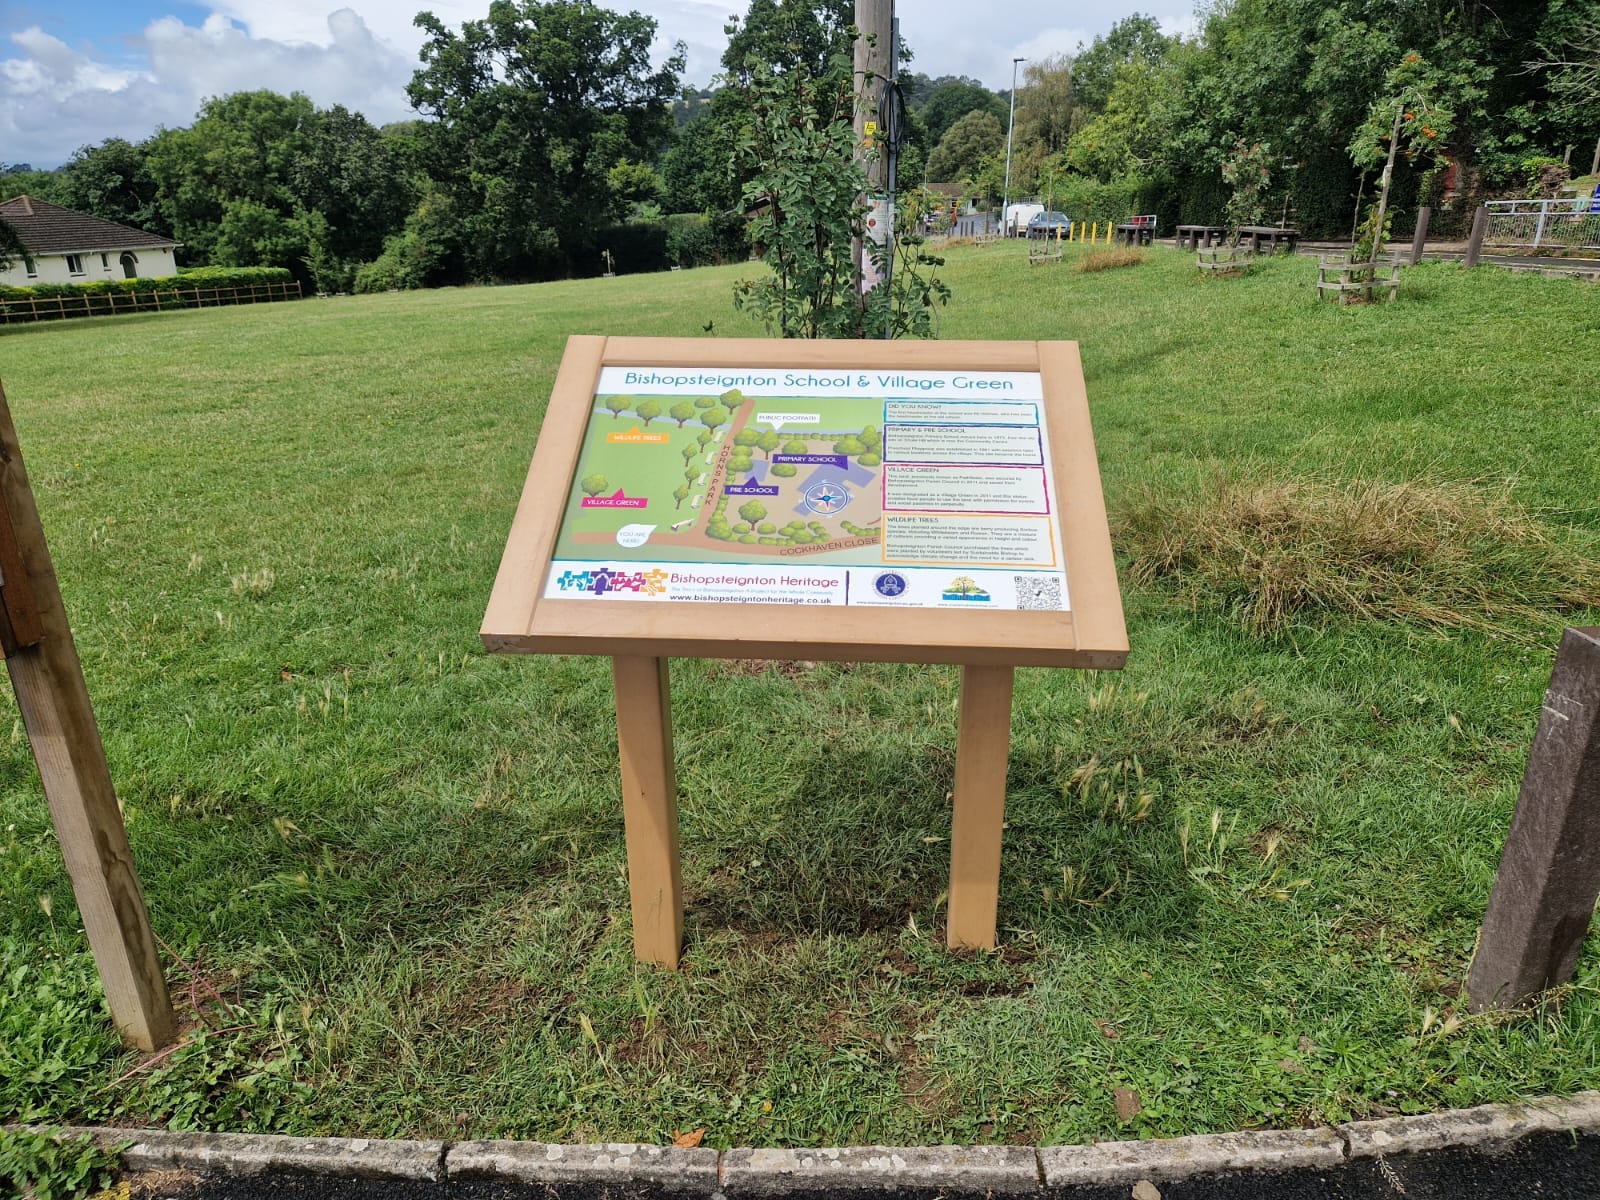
(1480, 226)
(54, 702)
(1549, 876)
(1420, 237)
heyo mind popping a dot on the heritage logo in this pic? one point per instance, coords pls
(607, 580)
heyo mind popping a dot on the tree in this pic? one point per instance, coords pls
(618, 405)
(747, 438)
(533, 107)
(1135, 40)
(768, 442)
(712, 417)
(848, 445)
(680, 494)
(241, 148)
(113, 181)
(689, 451)
(593, 484)
(681, 412)
(11, 247)
(648, 411)
(784, 470)
(795, 446)
(954, 98)
(960, 154)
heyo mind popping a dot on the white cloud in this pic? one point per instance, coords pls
(54, 99)
(350, 67)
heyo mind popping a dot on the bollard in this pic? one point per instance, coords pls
(1549, 876)
(1480, 226)
(1420, 237)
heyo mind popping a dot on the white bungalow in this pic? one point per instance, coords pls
(62, 246)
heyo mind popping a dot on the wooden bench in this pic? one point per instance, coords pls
(1138, 231)
(1043, 250)
(1270, 238)
(1200, 237)
(1351, 282)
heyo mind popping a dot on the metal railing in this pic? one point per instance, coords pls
(1543, 224)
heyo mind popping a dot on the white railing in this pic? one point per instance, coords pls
(1543, 224)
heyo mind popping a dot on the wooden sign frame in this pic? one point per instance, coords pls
(641, 636)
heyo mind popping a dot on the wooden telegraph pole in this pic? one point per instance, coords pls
(54, 702)
(873, 53)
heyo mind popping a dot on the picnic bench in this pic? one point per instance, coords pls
(1351, 282)
(1270, 238)
(1200, 237)
(1137, 231)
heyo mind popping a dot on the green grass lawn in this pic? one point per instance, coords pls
(1242, 878)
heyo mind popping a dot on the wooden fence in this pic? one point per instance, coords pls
(100, 304)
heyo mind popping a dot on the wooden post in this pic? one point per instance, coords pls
(1480, 225)
(983, 744)
(1420, 238)
(1549, 876)
(55, 708)
(649, 807)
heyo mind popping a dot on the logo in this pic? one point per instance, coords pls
(965, 587)
(889, 584)
(608, 580)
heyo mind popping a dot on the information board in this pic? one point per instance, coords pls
(930, 501)
(895, 488)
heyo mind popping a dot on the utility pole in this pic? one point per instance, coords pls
(1011, 122)
(874, 51)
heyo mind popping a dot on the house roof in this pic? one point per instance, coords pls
(46, 228)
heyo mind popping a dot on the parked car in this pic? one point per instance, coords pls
(1048, 224)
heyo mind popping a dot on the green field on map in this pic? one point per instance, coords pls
(724, 477)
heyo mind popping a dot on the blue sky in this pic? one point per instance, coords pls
(74, 72)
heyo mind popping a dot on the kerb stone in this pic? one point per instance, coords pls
(255, 1154)
(1487, 1127)
(763, 1172)
(672, 1167)
(1177, 1158)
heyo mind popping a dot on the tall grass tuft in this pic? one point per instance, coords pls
(1106, 260)
(1276, 553)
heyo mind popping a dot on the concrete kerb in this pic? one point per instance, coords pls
(979, 1170)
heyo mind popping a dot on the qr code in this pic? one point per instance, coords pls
(1036, 593)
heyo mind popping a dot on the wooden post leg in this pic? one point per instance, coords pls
(55, 708)
(650, 807)
(982, 746)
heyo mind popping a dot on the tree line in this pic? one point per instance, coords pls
(547, 138)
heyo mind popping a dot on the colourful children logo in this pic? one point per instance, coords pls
(606, 581)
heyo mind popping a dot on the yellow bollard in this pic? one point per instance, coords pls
(1094, 235)
(1108, 233)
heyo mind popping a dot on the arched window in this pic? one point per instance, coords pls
(130, 264)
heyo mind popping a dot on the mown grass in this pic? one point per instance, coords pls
(1242, 877)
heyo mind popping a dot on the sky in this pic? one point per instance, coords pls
(75, 72)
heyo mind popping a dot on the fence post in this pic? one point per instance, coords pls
(1420, 237)
(1549, 876)
(1538, 229)
(1480, 226)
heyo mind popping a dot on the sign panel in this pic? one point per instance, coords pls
(886, 488)
(863, 501)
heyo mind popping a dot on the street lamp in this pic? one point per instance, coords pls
(1011, 121)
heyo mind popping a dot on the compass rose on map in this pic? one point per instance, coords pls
(827, 498)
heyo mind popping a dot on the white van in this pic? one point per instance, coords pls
(1017, 216)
